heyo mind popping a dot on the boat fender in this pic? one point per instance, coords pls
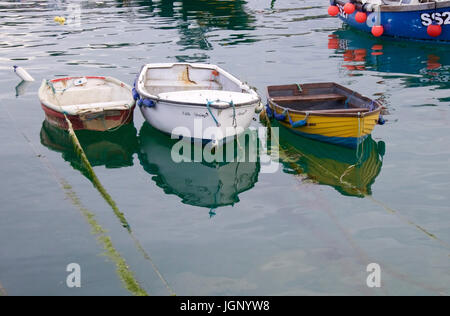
(272, 114)
(434, 29)
(300, 123)
(361, 17)
(269, 111)
(377, 30)
(146, 103)
(22, 73)
(381, 121)
(280, 117)
(333, 10)
(136, 95)
(349, 8)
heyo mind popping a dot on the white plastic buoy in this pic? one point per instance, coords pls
(23, 74)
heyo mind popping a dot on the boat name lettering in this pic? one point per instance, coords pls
(439, 17)
(204, 115)
(241, 113)
(186, 113)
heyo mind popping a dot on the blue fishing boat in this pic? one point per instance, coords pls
(427, 20)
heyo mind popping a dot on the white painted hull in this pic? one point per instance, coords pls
(195, 101)
(196, 122)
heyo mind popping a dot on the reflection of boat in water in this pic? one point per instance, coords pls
(195, 18)
(350, 171)
(202, 184)
(110, 149)
(364, 52)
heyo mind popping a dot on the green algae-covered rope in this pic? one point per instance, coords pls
(122, 269)
(97, 184)
(81, 154)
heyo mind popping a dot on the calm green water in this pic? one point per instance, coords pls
(226, 229)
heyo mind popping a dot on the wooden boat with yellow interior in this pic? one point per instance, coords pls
(326, 112)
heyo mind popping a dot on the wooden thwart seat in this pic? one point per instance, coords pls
(315, 97)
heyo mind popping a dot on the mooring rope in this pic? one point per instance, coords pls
(364, 258)
(98, 185)
(122, 269)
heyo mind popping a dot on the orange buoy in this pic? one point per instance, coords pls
(349, 8)
(434, 30)
(377, 30)
(333, 10)
(361, 17)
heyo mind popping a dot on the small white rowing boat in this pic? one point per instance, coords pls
(90, 103)
(195, 100)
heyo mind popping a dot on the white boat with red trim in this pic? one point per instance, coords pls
(90, 103)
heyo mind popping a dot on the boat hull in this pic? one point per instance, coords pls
(411, 24)
(348, 131)
(90, 103)
(195, 122)
(197, 101)
(100, 121)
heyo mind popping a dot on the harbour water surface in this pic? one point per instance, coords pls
(312, 227)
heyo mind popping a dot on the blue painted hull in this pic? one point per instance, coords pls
(408, 24)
